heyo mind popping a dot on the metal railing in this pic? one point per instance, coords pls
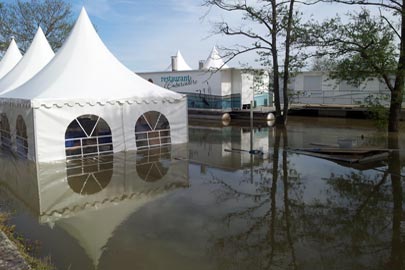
(21, 146)
(166, 139)
(101, 148)
(340, 97)
(5, 139)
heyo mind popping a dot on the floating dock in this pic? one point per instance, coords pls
(261, 113)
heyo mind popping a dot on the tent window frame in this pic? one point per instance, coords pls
(90, 144)
(5, 134)
(154, 136)
(21, 137)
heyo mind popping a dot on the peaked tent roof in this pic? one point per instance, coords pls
(181, 63)
(38, 55)
(214, 60)
(85, 71)
(10, 58)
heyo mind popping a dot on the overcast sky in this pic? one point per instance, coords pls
(143, 34)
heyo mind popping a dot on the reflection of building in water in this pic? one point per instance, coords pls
(225, 147)
(89, 198)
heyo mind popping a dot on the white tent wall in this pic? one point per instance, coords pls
(12, 112)
(51, 124)
(176, 114)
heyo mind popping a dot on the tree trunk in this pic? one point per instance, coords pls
(287, 61)
(395, 105)
(394, 168)
(274, 52)
(397, 93)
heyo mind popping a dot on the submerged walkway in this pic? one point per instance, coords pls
(10, 257)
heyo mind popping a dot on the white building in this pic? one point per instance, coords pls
(318, 88)
(214, 85)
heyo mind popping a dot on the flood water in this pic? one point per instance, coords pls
(211, 205)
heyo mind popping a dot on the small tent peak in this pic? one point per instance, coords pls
(181, 64)
(83, 16)
(37, 56)
(10, 58)
(214, 60)
(40, 30)
(39, 35)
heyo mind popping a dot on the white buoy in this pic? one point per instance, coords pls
(270, 123)
(226, 119)
(270, 117)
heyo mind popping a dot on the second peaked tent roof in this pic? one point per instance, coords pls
(85, 71)
(10, 58)
(37, 56)
(214, 61)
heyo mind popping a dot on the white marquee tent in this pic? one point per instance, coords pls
(214, 61)
(37, 56)
(85, 102)
(181, 63)
(10, 58)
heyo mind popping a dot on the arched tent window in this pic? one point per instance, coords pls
(153, 164)
(21, 137)
(152, 129)
(5, 135)
(88, 135)
(89, 176)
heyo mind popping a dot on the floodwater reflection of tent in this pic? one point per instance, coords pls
(85, 102)
(90, 198)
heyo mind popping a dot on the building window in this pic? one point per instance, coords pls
(88, 135)
(5, 135)
(21, 137)
(151, 130)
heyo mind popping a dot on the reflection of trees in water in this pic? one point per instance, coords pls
(261, 235)
(357, 226)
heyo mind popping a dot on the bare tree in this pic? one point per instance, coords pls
(272, 28)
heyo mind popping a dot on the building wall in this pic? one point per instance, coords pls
(317, 88)
(224, 89)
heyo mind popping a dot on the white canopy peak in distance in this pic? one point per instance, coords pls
(10, 58)
(37, 56)
(181, 63)
(214, 61)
